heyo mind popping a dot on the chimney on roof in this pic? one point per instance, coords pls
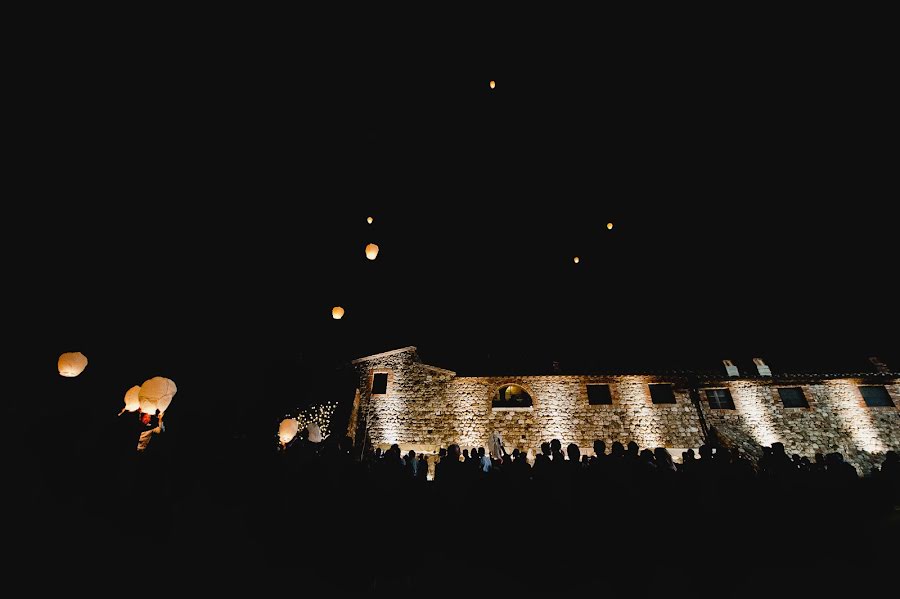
(762, 367)
(879, 365)
(730, 368)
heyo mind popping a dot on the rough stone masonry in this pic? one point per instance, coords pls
(424, 407)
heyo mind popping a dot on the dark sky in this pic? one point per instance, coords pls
(199, 206)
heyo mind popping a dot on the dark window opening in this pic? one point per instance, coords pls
(599, 395)
(876, 396)
(379, 384)
(662, 393)
(792, 397)
(719, 399)
(512, 396)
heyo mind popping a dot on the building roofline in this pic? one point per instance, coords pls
(383, 354)
(442, 370)
(702, 377)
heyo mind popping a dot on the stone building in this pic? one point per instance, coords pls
(401, 400)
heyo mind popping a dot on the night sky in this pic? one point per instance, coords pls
(196, 212)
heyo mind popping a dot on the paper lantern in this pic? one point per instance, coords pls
(609, 226)
(371, 251)
(156, 394)
(337, 313)
(577, 259)
(72, 363)
(287, 430)
(369, 220)
(493, 85)
(132, 399)
(314, 432)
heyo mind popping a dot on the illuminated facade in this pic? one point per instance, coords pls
(401, 400)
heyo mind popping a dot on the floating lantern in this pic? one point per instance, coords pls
(371, 251)
(609, 226)
(337, 313)
(576, 259)
(493, 84)
(314, 432)
(287, 430)
(156, 394)
(369, 220)
(72, 363)
(132, 400)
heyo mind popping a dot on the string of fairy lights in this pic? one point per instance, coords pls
(320, 414)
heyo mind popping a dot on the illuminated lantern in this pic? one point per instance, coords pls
(156, 394)
(577, 259)
(337, 313)
(287, 430)
(493, 85)
(371, 251)
(132, 399)
(609, 226)
(369, 220)
(315, 433)
(72, 363)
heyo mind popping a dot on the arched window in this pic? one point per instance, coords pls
(512, 396)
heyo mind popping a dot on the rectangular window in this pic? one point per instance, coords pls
(876, 396)
(719, 399)
(379, 383)
(599, 395)
(792, 397)
(662, 393)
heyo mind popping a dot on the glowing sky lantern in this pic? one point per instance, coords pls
(314, 432)
(493, 84)
(371, 251)
(72, 363)
(156, 394)
(576, 259)
(369, 220)
(287, 430)
(132, 400)
(337, 313)
(609, 226)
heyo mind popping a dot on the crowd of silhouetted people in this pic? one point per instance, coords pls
(621, 465)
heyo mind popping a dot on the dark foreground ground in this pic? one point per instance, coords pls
(241, 517)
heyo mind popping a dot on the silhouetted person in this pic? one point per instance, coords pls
(412, 464)
(599, 453)
(663, 460)
(422, 468)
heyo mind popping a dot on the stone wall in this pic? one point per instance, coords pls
(427, 407)
(837, 418)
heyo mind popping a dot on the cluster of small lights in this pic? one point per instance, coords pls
(321, 414)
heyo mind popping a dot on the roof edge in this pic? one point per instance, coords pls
(383, 354)
(438, 369)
